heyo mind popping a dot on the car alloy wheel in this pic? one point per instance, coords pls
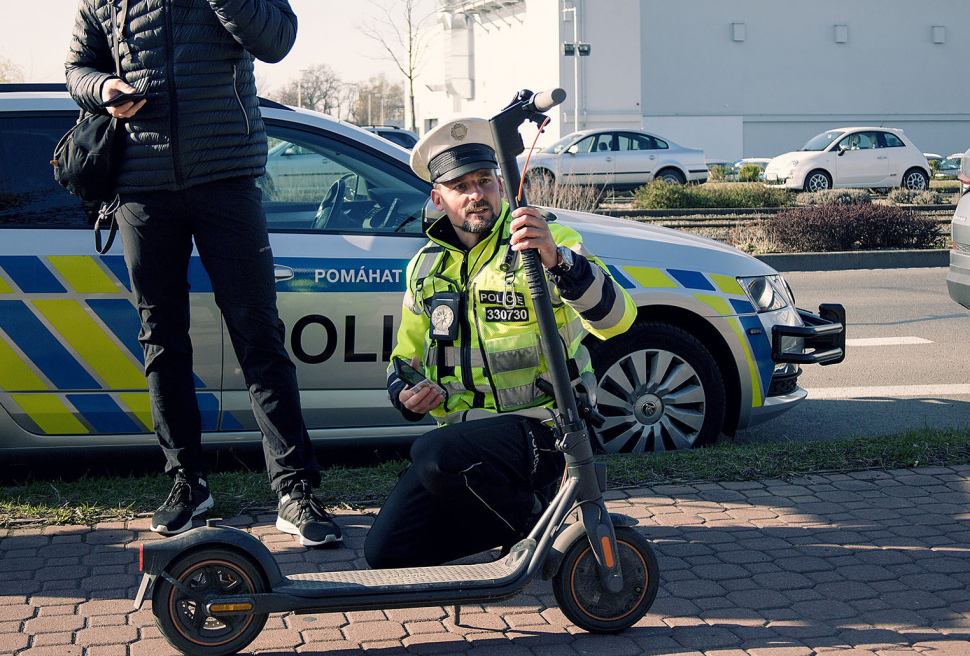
(659, 389)
(818, 181)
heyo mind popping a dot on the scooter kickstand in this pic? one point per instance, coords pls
(457, 615)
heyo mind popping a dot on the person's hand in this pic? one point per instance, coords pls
(423, 401)
(529, 230)
(115, 86)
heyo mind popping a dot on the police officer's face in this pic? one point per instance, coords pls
(472, 202)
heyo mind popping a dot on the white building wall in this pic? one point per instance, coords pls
(742, 78)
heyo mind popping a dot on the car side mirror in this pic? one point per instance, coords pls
(572, 150)
(841, 151)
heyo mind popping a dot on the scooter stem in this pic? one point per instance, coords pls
(573, 433)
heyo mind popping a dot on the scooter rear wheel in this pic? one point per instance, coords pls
(590, 606)
(204, 574)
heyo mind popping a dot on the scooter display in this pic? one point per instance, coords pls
(213, 587)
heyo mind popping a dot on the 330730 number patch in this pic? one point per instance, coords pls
(519, 314)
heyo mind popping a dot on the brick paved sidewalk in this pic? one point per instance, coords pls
(865, 563)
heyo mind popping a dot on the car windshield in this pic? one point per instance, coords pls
(560, 145)
(822, 141)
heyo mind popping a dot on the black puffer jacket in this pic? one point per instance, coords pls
(194, 58)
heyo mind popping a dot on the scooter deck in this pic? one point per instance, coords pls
(388, 581)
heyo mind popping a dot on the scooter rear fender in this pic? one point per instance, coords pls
(157, 555)
(570, 534)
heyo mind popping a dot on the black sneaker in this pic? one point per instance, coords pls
(302, 514)
(189, 497)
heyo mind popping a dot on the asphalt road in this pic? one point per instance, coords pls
(907, 359)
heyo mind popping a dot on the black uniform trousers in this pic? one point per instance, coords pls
(471, 487)
(226, 220)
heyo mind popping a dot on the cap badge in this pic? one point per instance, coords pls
(459, 131)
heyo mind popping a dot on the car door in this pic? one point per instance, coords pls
(893, 150)
(590, 160)
(71, 367)
(636, 160)
(341, 245)
(860, 163)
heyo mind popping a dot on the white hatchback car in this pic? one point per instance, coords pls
(852, 157)
(617, 159)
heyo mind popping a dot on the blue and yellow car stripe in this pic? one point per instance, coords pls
(725, 296)
(61, 356)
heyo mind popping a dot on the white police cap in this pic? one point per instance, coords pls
(453, 149)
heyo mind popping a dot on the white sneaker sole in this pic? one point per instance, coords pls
(289, 527)
(202, 507)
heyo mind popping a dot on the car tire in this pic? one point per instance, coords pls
(671, 176)
(817, 180)
(915, 180)
(659, 389)
(540, 178)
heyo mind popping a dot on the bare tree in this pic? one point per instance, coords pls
(400, 29)
(10, 72)
(318, 88)
(377, 101)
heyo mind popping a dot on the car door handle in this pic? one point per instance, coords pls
(609, 159)
(882, 157)
(282, 273)
(653, 157)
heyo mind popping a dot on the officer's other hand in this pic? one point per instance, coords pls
(115, 86)
(423, 401)
(529, 230)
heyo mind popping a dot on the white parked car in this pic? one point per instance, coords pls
(958, 276)
(852, 157)
(617, 159)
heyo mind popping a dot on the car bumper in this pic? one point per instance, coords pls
(823, 333)
(958, 277)
(774, 180)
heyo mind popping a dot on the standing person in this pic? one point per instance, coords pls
(192, 151)
(479, 480)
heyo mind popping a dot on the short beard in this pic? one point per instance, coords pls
(484, 226)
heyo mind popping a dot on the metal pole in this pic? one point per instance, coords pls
(575, 63)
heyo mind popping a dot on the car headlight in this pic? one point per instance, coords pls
(768, 293)
(793, 163)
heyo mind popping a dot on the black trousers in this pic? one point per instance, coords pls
(471, 487)
(226, 220)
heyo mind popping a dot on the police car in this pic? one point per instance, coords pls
(717, 347)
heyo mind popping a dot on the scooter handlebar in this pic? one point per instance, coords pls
(543, 101)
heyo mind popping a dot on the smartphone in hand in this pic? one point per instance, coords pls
(123, 98)
(414, 378)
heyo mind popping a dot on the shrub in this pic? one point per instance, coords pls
(717, 173)
(911, 197)
(833, 197)
(823, 228)
(749, 173)
(567, 197)
(660, 195)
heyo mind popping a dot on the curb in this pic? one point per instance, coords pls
(850, 260)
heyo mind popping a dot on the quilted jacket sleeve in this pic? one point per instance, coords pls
(89, 60)
(265, 28)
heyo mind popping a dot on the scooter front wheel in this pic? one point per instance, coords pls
(590, 606)
(180, 610)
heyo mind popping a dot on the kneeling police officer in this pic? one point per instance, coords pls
(482, 478)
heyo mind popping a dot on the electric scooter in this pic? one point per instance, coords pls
(213, 587)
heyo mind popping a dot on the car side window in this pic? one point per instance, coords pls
(891, 141)
(859, 141)
(315, 182)
(629, 141)
(29, 195)
(582, 146)
(604, 143)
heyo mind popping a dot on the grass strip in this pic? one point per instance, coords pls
(92, 499)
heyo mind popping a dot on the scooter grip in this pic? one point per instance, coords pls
(543, 101)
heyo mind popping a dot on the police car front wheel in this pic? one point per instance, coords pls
(659, 389)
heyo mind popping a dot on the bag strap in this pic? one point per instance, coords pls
(106, 213)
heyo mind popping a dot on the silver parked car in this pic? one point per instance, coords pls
(958, 277)
(616, 159)
(718, 345)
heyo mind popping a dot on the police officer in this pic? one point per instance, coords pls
(482, 478)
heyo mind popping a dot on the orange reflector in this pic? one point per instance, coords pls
(230, 608)
(607, 552)
(141, 557)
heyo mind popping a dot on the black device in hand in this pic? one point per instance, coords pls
(413, 377)
(122, 98)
